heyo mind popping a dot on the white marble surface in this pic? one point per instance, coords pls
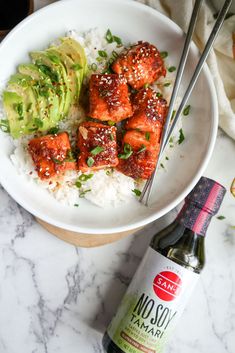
(55, 298)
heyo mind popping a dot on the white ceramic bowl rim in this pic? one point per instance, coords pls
(186, 190)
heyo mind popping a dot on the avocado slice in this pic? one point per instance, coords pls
(74, 84)
(56, 70)
(43, 87)
(42, 92)
(38, 113)
(25, 106)
(12, 103)
(34, 72)
(73, 49)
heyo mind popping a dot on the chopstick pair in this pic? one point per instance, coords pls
(170, 123)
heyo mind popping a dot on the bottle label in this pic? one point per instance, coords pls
(152, 304)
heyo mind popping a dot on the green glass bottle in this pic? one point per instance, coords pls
(166, 276)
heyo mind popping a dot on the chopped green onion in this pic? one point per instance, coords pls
(109, 171)
(117, 40)
(76, 205)
(220, 218)
(114, 54)
(4, 125)
(43, 92)
(159, 95)
(172, 69)
(162, 165)
(181, 137)
(90, 161)
(137, 192)
(85, 177)
(56, 161)
(111, 123)
(93, 67)
(78, 184)
(111, 137)
(146, 85)
(127, 152)
(109, 36)
(70, 157)
(167, 84)
(186, 110)
(102, 53)
(77, 67)
(107, 70)
(54, 130)
(147, 136)
(19, 108)
(99, 59)
(38, 122)
(171, 140)
(46, 70)
(164, 54)
(110, 61)
(21, 118)
(97, 150)
(167, 158)
(58, 91)
(142, 148)
(82, 194)
(55, 59)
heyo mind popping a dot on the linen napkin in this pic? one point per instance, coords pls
(221, 60)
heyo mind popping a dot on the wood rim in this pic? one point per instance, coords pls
(84, 240)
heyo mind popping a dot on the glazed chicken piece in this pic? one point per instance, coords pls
(97, 145)
(51, 155)
(140, 64)
(149, 112)
(109, 98)
(139, 154)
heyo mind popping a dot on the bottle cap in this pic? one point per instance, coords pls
(201, 204)
(207, 195)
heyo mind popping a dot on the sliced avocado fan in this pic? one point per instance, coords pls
(42, 92)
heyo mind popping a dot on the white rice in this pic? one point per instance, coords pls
(104, 188)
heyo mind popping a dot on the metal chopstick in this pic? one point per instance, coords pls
(205, 53)
(198, 69)
(179, 75)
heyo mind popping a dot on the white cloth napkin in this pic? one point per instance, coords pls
(221, 60)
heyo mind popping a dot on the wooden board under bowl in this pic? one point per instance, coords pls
(84, 240)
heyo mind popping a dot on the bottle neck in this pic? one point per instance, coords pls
(181, 245)
(194, 218)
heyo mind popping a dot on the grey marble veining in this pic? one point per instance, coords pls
(55, 297)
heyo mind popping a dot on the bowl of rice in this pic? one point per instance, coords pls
(107, 202)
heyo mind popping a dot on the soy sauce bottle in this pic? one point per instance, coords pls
(166, 276)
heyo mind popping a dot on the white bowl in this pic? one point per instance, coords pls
(131, 21)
